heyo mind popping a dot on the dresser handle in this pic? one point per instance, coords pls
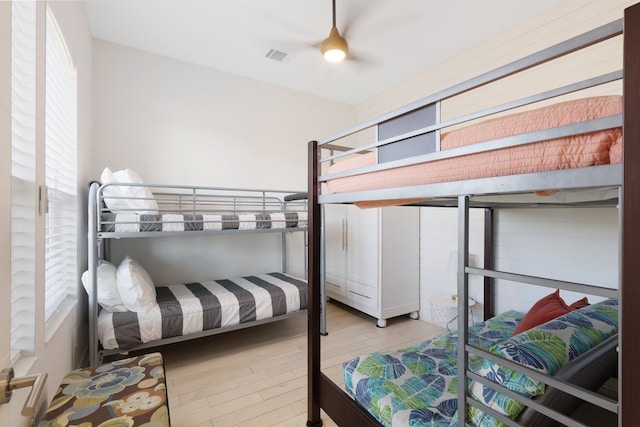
(360, 295)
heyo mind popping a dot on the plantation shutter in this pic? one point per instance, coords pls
(23, 176)
(60, 170)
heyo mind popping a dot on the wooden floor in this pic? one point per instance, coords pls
(258, 376)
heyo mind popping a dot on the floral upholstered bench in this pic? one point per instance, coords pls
(128, 392)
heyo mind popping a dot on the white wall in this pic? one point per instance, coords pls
(178, 123)
(438, 243)
(546, 244)
(567, 244)
(175, 122)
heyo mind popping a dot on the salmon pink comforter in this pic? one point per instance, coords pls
(595, 148)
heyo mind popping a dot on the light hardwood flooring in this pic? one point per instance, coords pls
(258, 376)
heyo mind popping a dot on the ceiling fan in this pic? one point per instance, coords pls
(334, 48)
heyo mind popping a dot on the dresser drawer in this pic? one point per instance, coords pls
(362, 295)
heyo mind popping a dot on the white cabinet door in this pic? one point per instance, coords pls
(362, 245)
(335, 223)
(351, 256)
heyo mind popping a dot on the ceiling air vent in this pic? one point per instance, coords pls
(277, 55)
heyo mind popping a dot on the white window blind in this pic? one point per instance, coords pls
(61, 170)
(23, 176)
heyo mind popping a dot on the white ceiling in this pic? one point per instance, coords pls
(389, 40)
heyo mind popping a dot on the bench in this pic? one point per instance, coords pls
(132, 391)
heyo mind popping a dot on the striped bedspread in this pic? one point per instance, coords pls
(194, 307)
(132, 222)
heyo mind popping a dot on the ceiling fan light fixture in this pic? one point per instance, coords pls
(334, 48)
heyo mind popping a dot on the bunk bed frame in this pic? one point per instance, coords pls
(186, 211)
(326, 395)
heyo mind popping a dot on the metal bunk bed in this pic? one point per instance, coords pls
(625, 182)
(156, 211)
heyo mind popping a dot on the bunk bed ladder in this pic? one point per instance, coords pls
(464, 348)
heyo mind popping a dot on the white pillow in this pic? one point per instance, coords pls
(108, 296)
(135, 286)
(143, 202)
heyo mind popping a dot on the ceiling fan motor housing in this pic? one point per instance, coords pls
(334, 48)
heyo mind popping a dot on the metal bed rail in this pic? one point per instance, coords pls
(199, 199)
(184, 209)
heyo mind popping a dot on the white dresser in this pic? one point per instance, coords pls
(372, 259)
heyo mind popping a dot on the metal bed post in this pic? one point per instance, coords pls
(323, 274)
(306, 261)
(314, 282)
(463, 305)
(489, 253)
(283, 240)
(92, 250)
(283, 236)
(629, 353)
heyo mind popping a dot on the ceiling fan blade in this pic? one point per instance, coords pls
(360, 59)
(352, 16)
(299, 30)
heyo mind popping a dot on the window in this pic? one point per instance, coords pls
(60, 171)
(43, 174)
(23, 176)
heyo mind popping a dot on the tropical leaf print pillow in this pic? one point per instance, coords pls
(545, 348)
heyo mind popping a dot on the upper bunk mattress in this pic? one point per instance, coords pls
(590, 149)
(133, 222)
(195, 307)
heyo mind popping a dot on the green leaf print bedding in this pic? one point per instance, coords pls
(417, 386)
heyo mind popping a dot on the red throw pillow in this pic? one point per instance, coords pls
(546, 309)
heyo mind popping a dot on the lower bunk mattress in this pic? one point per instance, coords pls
(417, 386)
(195, 307)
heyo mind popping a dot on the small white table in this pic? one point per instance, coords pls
(444, 310)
